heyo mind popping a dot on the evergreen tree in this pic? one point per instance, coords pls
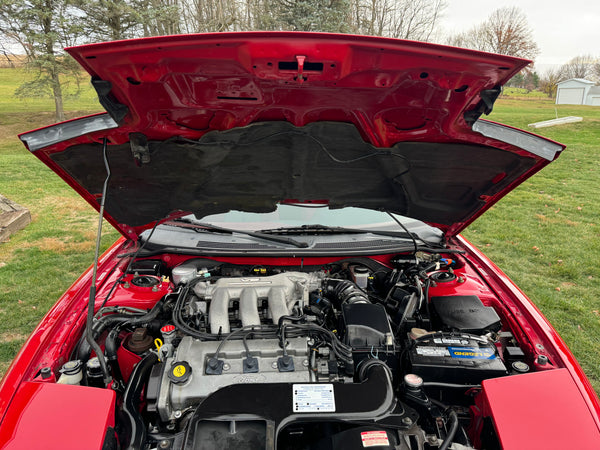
(43, 28)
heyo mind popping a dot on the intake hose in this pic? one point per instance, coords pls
(345, 291)
(132, 320)
(100, 325)
(135, 429)
(367, 365)
(111, 345)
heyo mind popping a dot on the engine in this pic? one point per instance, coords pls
(301, 355)
(254, 308)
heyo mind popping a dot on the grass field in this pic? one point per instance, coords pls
(544, 235)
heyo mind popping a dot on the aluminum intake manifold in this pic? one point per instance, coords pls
(282, 292)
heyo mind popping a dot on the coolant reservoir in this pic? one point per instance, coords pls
(360, 275)
(71, 372)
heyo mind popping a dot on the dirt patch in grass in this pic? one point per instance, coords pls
(61, 246)
(68, 206)
(12, 337)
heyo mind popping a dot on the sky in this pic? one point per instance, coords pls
(561, 29)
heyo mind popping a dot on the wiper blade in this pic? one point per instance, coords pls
(324, 229)
(198, 225)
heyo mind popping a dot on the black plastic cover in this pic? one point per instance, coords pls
(359, 438)
(465, 313)
(366, 325)
(148, 267)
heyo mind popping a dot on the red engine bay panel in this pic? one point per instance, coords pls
(562, 418)
(68, 417)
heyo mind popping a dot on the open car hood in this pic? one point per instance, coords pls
(242, 121)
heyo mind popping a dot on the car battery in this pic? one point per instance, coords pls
(454, 358)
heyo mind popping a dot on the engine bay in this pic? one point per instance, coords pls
(352, 353)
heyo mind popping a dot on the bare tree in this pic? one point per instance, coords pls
(549, 81)
(407, 19)
(404, 19)
(579, 67)
(201, 16)
(505, 31)
(596, 71)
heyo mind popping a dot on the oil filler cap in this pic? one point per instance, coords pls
(180, 372)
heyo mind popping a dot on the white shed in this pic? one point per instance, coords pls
(593, 96)
(577, 91)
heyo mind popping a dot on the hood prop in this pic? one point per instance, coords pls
(92, 297)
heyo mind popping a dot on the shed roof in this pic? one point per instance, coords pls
(580, 80)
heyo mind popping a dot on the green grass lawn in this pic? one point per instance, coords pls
(40, 262)
(544, 235)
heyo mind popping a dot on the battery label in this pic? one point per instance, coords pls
(432, 351)
(313, 398)
(472, 353)
(450, 341)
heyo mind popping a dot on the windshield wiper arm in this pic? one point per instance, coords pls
(324, 229)
(257, 234)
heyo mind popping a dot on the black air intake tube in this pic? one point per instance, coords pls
(345, 291)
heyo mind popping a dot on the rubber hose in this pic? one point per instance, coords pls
(111, 345)
(367, 365)
(452, 432)
(131, 401)
(107, 321)
(346, 291)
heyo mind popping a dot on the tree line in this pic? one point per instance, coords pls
(42, 28)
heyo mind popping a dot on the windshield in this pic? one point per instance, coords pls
(293, 215)
(311, 227)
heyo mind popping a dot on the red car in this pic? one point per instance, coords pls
(291, 273)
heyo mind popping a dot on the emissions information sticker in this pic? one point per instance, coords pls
(374, 438)
(313, 398)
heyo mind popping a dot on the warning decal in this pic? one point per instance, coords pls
(374, 438)
(313, 398)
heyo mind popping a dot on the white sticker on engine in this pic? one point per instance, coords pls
(313, 398)
(432, 351)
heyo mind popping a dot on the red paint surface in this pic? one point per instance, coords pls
(57, 416)
(127, 361)
(549, 399)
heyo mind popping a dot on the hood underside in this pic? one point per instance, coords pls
(243, 121)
